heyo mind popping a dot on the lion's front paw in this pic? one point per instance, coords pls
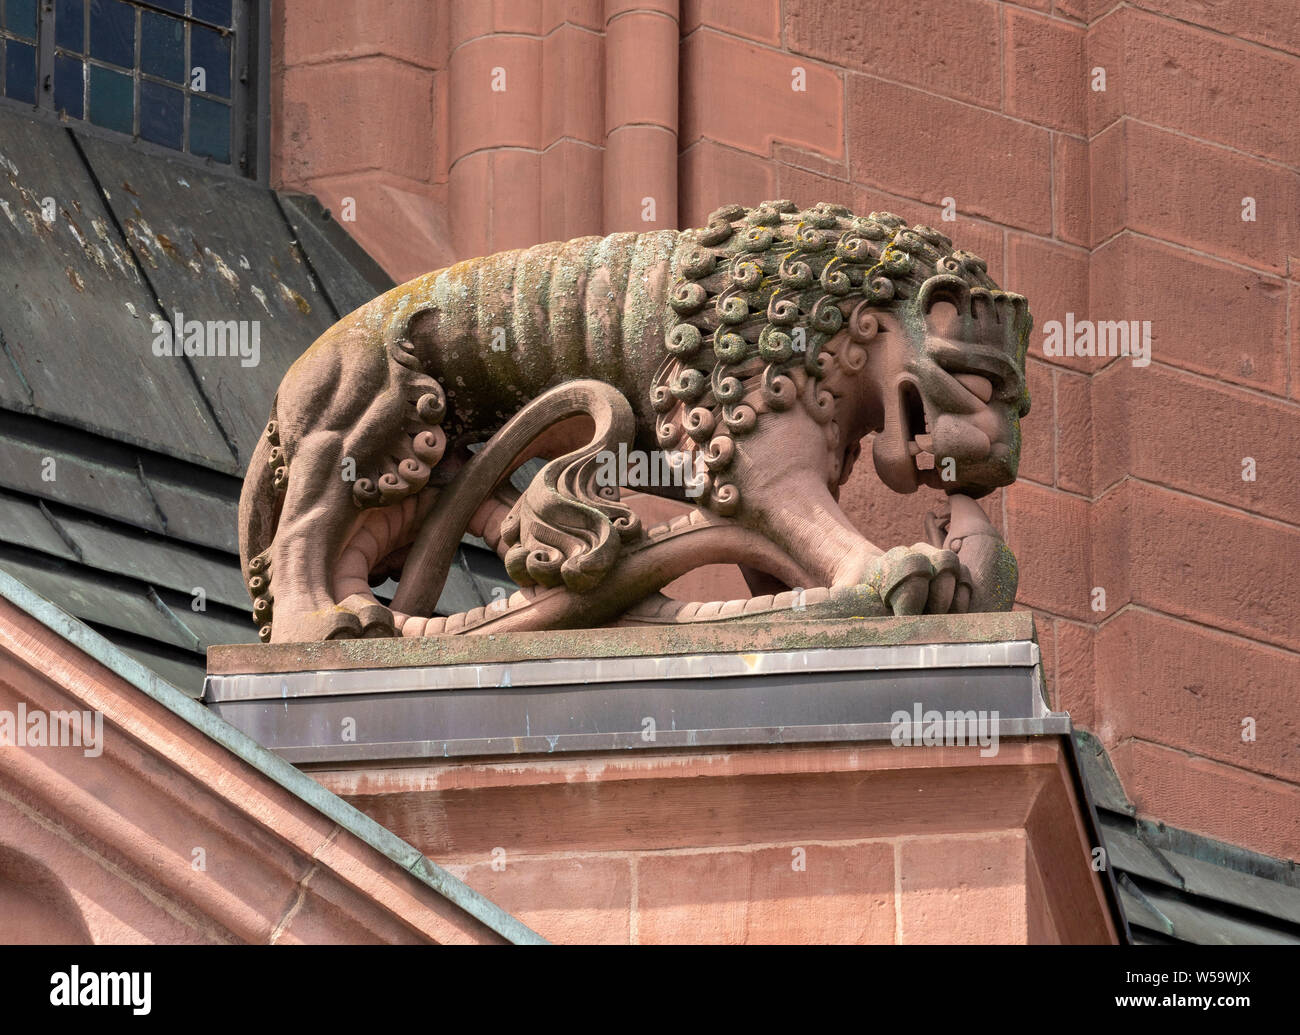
(356, 618)
(920, 579)
(373, 619)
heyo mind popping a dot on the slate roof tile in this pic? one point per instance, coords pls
(216, 248)
(347, 275)
(112, 491)
(1179, 886)
(76, 320)
(156, 560)
(25, 523)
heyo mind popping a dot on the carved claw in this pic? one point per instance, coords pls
(315, 626)
(375, 620)
(356, 618)
(920, 579)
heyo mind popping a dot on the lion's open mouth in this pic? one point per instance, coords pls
(920, 443)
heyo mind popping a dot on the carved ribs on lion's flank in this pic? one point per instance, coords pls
(763, 349)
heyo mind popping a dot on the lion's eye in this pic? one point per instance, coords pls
(980, 387)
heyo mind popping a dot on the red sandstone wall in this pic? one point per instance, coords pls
(463, 127)
(1122, 204)
(356, 110)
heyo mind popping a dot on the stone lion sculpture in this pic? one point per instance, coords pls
(755, 354)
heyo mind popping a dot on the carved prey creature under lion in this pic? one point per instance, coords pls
(763, 347)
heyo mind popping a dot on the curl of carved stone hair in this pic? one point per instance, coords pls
(757, 293)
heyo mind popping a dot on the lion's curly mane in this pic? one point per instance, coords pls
(756, 300)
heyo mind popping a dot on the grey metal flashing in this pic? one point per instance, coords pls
(1099, 774)
(468, 747)
(605, 704)
(266, 762)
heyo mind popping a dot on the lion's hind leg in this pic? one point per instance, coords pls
(314, 521)
(345, 465)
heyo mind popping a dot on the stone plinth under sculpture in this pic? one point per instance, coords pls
(743, 783)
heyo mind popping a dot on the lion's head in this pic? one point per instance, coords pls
(871, 325)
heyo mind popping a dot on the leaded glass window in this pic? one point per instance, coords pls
(172, 73)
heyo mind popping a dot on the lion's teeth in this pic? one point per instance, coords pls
(925, 461)
(926, 442)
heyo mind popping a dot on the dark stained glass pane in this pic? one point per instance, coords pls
(20, 71)
(70, 25)
(155, 52)
(112, 32)
(210, 51)
(215, 11)
(162, 114)
(111, 99)
(20, 18)
(69, 76)
(209, 129)
(162, 46)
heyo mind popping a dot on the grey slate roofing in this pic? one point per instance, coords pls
(120, 470)
(1176, 886)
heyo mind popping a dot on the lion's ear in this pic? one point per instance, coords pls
(862, 324)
